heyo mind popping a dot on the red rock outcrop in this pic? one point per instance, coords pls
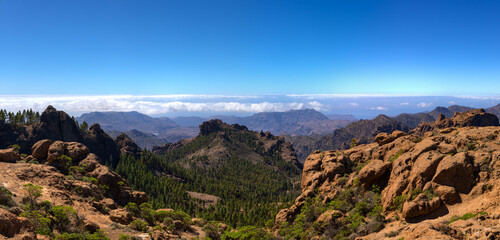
(455, 170)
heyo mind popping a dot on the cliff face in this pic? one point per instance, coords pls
(443, 184)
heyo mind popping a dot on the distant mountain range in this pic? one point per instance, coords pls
(307, 129)
(365, 130)
(150, 131)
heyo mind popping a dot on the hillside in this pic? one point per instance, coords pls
(61, 189)
(41, 197)
(443, 184)
(248, 170)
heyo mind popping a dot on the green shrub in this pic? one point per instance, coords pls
(139, 225)
(40, 221)
(463, 217)
(71, 236)
(212, 230)
(64, 163)
(133, 209)
(124, 237)
(89, 179)
(62, 216)
(147, 213)
(33, 192)
(391, 234)
(248, 233)
(471, 146)
(397, 203)
(15, 146)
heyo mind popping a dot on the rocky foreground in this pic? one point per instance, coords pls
(70, 177)
(442, 182)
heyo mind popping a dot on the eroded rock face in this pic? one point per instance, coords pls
(452, 166)
(456, 171)
(102, 145)
(321, 169)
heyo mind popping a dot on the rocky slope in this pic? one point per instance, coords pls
(440, 184)
(79, 196)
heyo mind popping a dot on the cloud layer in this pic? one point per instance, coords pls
(362, 106)
(154, 105)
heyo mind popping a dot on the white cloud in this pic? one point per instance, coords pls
(452, 102)
(404, 103)
(328, 96)
(152, 105)
(380, 108)
(354, 104)
(424, 105)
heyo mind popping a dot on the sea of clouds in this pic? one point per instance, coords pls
(359, 105)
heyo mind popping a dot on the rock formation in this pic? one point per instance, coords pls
(127, 145)
(229, 139)
(58, 126)
(477, 117)
(424, 180)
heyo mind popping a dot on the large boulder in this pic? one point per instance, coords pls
(9, 155)
(40, 149)
(456, 171)
(75, 150)
(420, 206)
(56, 150)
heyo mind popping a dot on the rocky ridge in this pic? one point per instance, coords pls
(234, 139)
(59, 126)
(443, 183)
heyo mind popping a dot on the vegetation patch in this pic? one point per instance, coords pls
(355, 212)
(395, 156)
(466, 216)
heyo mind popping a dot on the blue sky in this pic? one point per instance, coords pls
(250, 47)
